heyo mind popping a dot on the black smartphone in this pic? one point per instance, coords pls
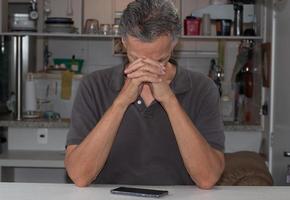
(141, 192)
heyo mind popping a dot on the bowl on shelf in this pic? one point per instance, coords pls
(60, 25)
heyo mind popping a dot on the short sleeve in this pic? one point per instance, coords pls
(84, 114)
(209, 119)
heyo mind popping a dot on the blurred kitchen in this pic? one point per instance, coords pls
(47, 46)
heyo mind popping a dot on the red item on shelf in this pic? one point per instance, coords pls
(192, 26)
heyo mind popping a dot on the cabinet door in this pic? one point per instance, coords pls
(59, 9)
(3, 15)
(120, 5)
(100, 10)
(281, 94)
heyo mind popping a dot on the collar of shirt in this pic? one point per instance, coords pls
(180, 84)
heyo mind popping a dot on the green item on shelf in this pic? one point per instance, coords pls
(72, 64)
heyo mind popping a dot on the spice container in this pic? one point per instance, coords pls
(192, 25)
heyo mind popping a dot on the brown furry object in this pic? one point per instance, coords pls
(245, 169)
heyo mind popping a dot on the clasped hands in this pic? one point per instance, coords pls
(145, 71)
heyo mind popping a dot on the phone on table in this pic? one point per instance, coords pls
(141, 192)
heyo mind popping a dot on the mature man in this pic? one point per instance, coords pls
(148, 121)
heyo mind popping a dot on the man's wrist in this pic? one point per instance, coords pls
(171, 100)
(120, 103)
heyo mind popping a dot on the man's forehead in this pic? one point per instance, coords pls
(162, 55)
(158, 49)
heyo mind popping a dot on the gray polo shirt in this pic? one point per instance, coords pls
(145, 150)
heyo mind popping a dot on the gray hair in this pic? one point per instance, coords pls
(149, 19)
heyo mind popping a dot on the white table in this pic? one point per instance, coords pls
(37, 191)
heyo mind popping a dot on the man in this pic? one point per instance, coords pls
(149, 122)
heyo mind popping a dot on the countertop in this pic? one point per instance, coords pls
(8, 121)
(16, 191)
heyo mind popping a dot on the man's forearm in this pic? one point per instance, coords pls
(86, 161)
(203, 163)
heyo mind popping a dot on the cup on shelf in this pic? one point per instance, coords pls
(105, 29)
(115, 29)
(91, 26)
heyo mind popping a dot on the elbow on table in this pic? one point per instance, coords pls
(206, 185)
(208, 182)
(77, 179)
(81, 182)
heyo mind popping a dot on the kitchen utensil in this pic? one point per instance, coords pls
(91, 26)
(33, 14)
(69, 8)
(47, 7)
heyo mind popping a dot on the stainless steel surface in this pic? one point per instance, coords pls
(19, 84)
(28, 58)
(238, 19)
(22, 22)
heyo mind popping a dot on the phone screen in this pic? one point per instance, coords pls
(139, 192)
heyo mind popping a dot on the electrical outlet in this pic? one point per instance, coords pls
(41, 135)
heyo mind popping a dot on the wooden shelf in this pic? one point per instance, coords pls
(201, 37)
(98, 36)
(60, 35)
(45, 159)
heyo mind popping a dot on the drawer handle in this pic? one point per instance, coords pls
(287, 154)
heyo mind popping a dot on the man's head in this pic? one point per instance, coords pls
(150, 28)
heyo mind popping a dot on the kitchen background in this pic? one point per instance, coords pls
(235, 65)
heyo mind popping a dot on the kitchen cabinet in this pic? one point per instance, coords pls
(3, 15)
(120, 5)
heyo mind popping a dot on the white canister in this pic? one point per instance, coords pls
(30, 96)
(206, 25)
